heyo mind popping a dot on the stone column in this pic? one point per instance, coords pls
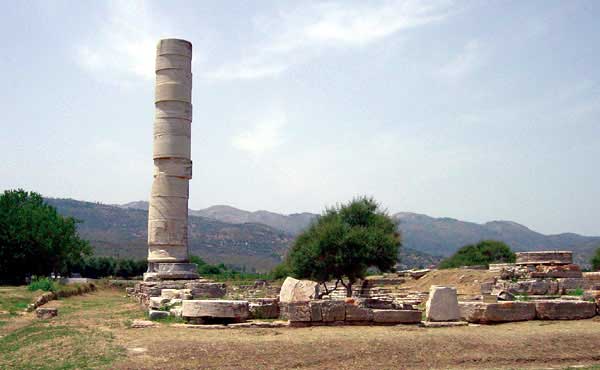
(168, 254)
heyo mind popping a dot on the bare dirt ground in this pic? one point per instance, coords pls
(92, 331)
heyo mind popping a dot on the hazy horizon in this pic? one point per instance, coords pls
(477, 111)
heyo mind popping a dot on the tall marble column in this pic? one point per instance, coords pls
(168, 254)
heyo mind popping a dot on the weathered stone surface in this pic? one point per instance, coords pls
(594, 275)
(356, 313)
(218, 309)
(480, 312)
(157, 302)
(136, 324)
(442, 304)
(417, 274)
(315, 311)
(489, 298)
(170, 293)
(203, 290)
(299, 311)
(294, 290)
(264, 308)
(564, 310)
(443, 324)
(177, 271)
(176, 312)
(566, 284)
(535, 287)
(397, 316)
(46, 313)
(155, 314)
(497, 267)
(332, 310)
(557, 271)
(544, 257)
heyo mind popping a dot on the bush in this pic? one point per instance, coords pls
(344, 243)
(596, 260)
(45, 284)
(482, 253)
(99, 267)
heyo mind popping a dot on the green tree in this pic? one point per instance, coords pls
(344, 242)
(482, 253)
(596, 260)
(34, 238)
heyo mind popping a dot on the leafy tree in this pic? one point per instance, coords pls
(344, 242)
(596, 260)
(34, 238)
(482, 253)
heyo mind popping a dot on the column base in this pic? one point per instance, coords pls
(171, 271)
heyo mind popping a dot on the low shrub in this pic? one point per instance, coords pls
(44, 283)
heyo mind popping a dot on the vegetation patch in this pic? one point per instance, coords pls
(482, 253)
(44, 346)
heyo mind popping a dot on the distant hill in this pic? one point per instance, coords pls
(122, 232)
(443, 236)
(259, 240)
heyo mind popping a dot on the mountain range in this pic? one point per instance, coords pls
(259, 240)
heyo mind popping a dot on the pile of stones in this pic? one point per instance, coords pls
(543, 285)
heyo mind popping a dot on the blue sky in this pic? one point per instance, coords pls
(473, 110)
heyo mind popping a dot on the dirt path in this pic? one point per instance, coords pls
(92, 332)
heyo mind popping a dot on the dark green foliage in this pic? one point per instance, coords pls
(222, 272)
(344, 242)
(45, 284)
(281, 271)
(98, 267)
(34, 238)
(482, 253)
(596, 260)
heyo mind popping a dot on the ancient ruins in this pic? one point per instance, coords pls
(543, 285)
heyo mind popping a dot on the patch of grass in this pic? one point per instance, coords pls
(44, 346)
(523, 297)
(43, 283)
(576, 292)
(15, 299)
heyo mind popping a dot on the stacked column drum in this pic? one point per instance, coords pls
(168, 209)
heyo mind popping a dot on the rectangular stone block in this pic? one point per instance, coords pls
(315, 311)
(564, 310)
(480, 312)
(356, 313)
(333, 310)
(299, 311)
(566, 284)
(397, 316)
(544, 257)
(220, 309)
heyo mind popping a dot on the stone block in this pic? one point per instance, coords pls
(170, 293)
(294, 290)
(489, 298)
(557, 271)
(216, 309)
(264, 308)
(176, 312)
(137, 324)
(155, 314)
(158, 302)
(594, 276)
(530, 287)
(356, 313)
(176, 271)
(564, 310)
(332, 310)
(480, 312)
(299, 311)
(442, 304)
(566, 284)
(46, 312)
(397, 316)
(315, 311)
(203, 290)
(544, 257)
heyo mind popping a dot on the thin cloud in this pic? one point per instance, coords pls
(468, 60)
(266, 135)
(122, 51)
(305, 32)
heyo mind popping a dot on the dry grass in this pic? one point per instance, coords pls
(467, 282)
(92, 332)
